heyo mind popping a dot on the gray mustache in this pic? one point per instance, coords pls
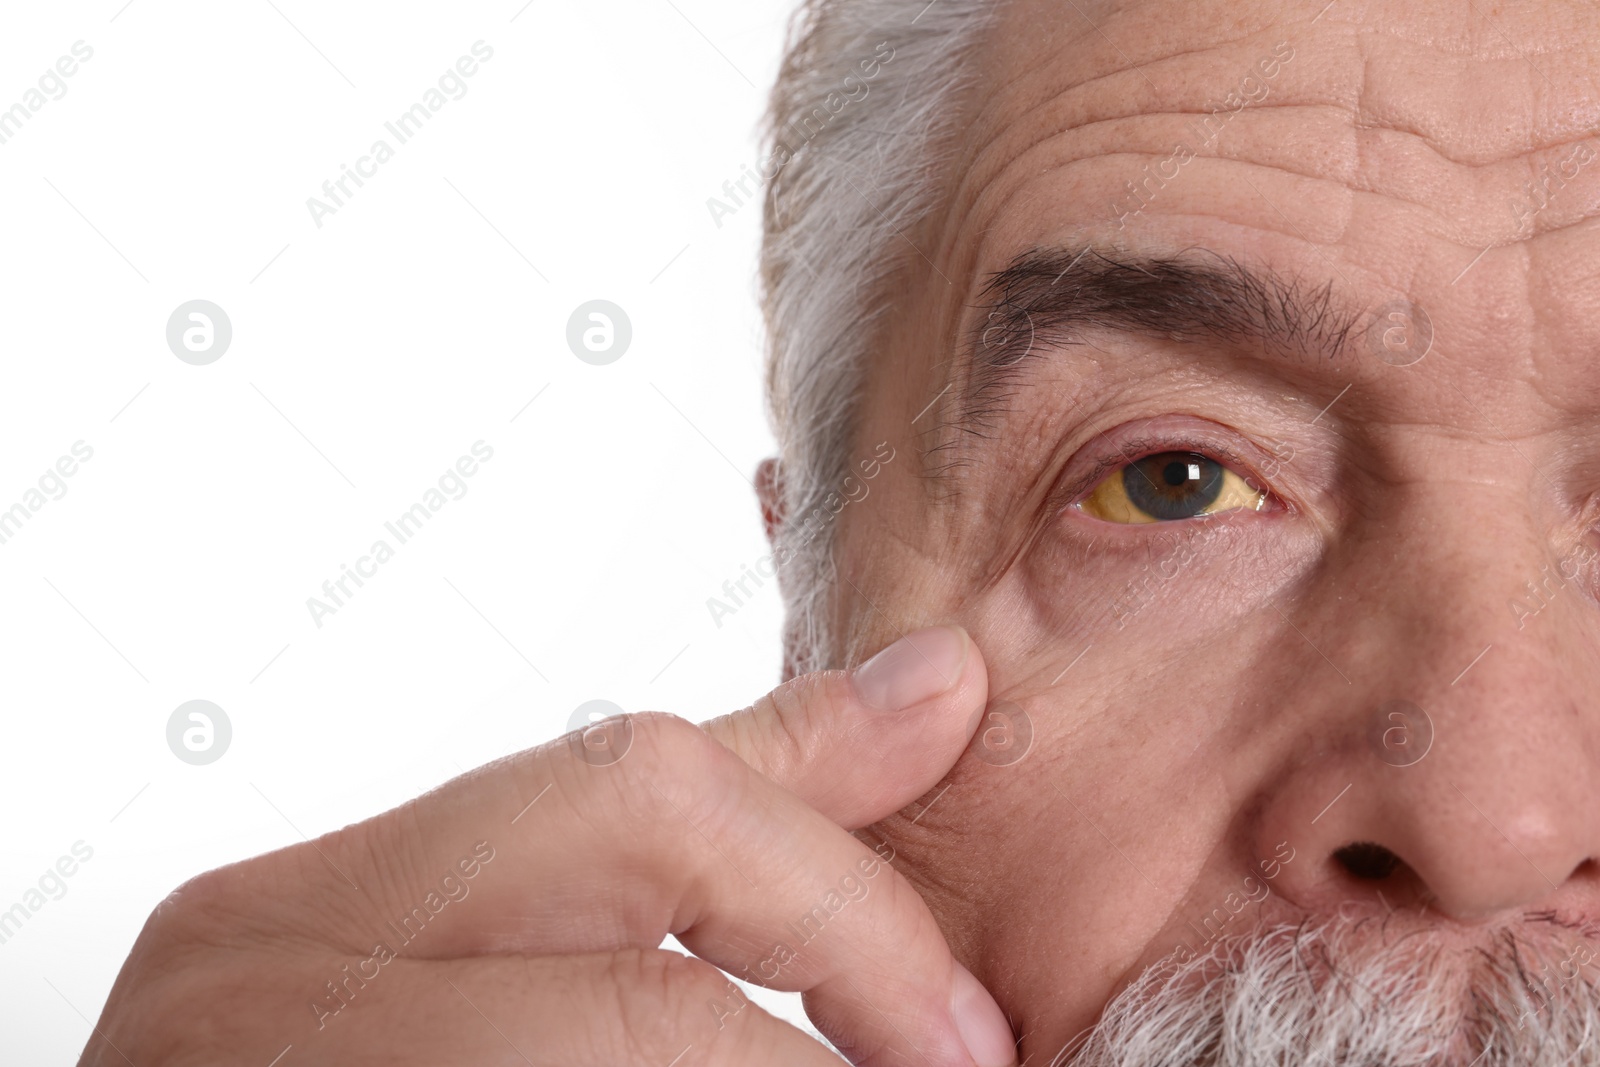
(1341, 991)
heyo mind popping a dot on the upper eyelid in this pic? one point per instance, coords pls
(1132, 451)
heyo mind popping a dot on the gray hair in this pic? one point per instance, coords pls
(855, 147)
(1348, 989)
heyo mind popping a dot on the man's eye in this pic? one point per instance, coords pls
(1168, 486)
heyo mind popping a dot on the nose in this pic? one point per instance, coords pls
(1458, 767)
(1468, 840)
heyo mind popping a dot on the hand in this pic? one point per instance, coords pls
(513, 915)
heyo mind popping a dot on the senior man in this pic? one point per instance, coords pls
(1236, 363)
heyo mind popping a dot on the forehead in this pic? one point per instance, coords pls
(1383, 146)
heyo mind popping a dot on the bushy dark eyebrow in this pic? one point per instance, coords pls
(1047, 297)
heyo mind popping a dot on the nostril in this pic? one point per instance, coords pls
(1368, 861)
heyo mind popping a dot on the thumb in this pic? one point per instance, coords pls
(861, 744)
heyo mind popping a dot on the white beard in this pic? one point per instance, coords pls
(1350, 993)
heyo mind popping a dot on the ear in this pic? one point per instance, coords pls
(769, 490)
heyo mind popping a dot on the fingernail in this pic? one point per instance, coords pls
(980, 1022)
(915, 668)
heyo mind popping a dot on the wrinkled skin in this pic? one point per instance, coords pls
(514, 914)
(1200, 696)
(1222, 707)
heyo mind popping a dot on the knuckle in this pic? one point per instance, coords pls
(183, 917)
(788, 728)
(667, 757)
(665, 999)
(659, 978)
(169, 966)
(666, 735)
(808, 694)
(800, 709)
(673, 752)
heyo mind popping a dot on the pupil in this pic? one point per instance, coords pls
(1161, 486)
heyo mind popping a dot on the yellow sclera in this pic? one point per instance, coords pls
(1191, 473)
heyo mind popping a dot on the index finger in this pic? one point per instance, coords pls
(683, 837)
(859, 745)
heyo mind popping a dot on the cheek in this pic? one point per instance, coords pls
(1130, 656)
(1151, 615)
(1137, 755)
(1069, 861)
(1195, 578)
(1160, 668)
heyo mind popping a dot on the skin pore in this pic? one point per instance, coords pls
(1202, 693)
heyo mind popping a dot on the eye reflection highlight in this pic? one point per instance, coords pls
(1169, 486)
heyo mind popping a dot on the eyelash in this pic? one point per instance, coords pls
(1133, 451)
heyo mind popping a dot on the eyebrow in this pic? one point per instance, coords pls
(1047, 298)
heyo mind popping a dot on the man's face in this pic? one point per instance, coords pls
(1331, 271)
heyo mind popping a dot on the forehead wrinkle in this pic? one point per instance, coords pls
(1362, 165)
(1366, 98)
(1113, 104)
(1338, 199)
(1043, 76)
(1359, 48)
(1152, 134)
(1004, 116)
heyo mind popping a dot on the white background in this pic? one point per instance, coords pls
(367, 356)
